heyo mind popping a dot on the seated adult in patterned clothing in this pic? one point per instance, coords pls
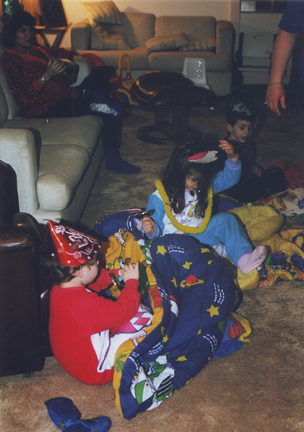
(35, 76)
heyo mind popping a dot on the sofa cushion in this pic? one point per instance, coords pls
(200, 45)
(160, 60)
(61, 169)
(138, 57)
(194, 27)
(102, 12)
(139, 28)
(171, 41)
(82, 131)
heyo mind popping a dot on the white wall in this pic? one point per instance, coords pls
(267, 22)
(220, 9)
(261, 22)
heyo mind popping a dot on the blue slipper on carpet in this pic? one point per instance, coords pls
(98, 424)
(62, 411)
(66, 417)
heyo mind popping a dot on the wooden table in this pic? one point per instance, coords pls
(58, 31)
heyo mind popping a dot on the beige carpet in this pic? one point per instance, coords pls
(257, 389)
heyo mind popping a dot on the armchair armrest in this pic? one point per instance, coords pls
(84, 69)
(224, 38)
(30, 226)
(20, 342)
(13, 108)
(80, 35)
(17, 148)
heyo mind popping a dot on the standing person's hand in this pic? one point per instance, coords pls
(275, 97)
(281, 52)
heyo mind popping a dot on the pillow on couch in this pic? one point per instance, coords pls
(200, 45)
(102, 12)
(171, 41)
(108, 31)
(109, 37)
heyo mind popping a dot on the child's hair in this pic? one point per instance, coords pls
(179, 167)
(239, 108)
(59, 273)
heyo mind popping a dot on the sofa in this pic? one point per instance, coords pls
(56, 161)
(156, 43)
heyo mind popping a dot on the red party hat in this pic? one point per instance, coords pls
(204, 157)
(68, 246)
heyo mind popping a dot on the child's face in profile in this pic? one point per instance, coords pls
(90, 273)
(241, 131)
(192, 180)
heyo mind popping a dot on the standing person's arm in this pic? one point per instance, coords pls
(282, 49)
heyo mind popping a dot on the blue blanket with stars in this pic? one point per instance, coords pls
(192, 304)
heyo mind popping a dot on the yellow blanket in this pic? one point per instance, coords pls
(262, 225)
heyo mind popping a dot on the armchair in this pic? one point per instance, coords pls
(21, 343)
(56, 162)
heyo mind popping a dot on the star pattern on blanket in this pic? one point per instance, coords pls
(144, 374)
(213, 310)
(181, 358)
(161, 250)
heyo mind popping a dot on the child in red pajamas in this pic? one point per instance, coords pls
(85, 327)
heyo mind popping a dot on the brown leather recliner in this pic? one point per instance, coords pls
(23, 308)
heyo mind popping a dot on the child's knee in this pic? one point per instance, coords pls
(225, 218)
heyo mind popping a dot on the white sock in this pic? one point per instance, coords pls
(250, 261)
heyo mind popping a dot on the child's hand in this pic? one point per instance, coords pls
(148, 225)
(256, 170)
(130, 271)
(228, 148)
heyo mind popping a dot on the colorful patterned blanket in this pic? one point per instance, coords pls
(192, 295)
(262, 223)
(289, 202)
